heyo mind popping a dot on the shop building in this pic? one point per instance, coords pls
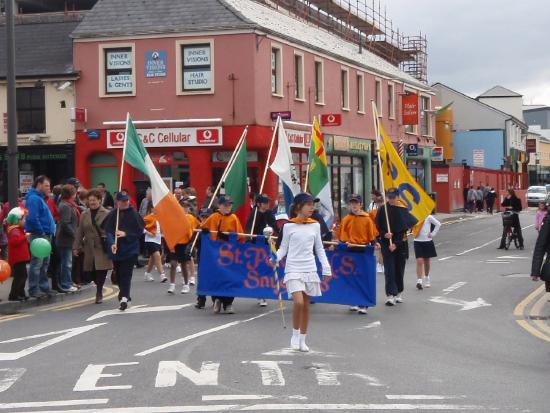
(194, 75)
(45, 97)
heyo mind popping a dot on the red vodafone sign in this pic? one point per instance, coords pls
(169, 137)
(331, 119)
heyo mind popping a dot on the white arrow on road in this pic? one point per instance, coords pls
(138, 309)
(466, 305)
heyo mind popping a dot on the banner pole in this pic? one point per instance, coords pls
(224, 175)
(380, 172)
(277, 125)
(308, 154)
(121, 174)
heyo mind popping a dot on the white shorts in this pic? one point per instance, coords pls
(311, 288)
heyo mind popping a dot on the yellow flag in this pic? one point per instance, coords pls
(396, 175)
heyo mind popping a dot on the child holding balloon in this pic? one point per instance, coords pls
(18, 253)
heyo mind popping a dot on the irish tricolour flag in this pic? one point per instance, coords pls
(174, 225)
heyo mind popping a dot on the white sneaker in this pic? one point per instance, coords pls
(163, 278)
(303, 345)
(178, 269)
(166, 265)
(362, 310)
(390, 300)
(379, 268)
(171, 289)
(262, 302)
(229, 309)
(354, 308)
(295, 340)
(191, 280)
(185, 289)
(148, 277)
(399, 298)
(427, 282)
(419, 284)
(72, 289)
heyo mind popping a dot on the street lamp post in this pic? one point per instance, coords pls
(13, 167)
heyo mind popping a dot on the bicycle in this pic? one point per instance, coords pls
(511, 233)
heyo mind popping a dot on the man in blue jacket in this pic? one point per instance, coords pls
(39, 224)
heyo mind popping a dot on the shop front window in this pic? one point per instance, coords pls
(347, 177)
(416, 169)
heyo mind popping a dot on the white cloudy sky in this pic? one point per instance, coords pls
(476, 44)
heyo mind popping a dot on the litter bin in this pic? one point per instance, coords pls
(433, 195)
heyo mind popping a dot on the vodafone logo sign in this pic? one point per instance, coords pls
(169, 137)
(331, 119)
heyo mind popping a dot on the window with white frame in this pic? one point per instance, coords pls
(119, 77)
(344, 84)
(319, 82)
(276, 71)
(360, 93)
(425, 124)
(298, 76)
(378, 96)
(196, 66)
(391, 101)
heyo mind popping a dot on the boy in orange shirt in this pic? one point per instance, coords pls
(357, 228)
(222, 221)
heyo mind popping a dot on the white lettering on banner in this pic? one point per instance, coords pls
(91, 375)
(170, 137)
(119, 60)
(197, 79)
(120, 83)
(298, 138)
(196, 56)
(168, 372)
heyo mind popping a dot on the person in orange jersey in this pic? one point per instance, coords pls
(153, 244)
(357, 228)
(219, 222)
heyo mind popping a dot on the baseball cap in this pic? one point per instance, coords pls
(74, 182)
(225, 200)
(121, 196)
(262, 199)
(304, 197)
(392, 192)
(205, 212)
(356, 198)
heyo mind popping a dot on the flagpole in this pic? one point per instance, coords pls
(277, 125)
(121, 174)
(308, 154)
(380, 172)
(224, 175)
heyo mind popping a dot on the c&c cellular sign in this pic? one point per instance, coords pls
(169, 137)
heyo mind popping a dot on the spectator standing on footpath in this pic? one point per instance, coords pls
(39, 224)
(90, 241)
(65, 234)
(124, 244)
(107, 200)
(490, 200)
(471, 199)
(18, 255)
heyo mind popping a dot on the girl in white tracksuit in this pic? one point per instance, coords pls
(424, 249)
(301, 242)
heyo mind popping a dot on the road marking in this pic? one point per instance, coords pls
(270, 371)
(272, 407)
(290, 352)
(477, 248)
(445, 258)
(325, 375)
(370, 325)
(109, 293)
(513, 257)
(202, 333)
(168, 371)
(497, 262)
(528, 327)
(138, 309)
(420, 397)
(454, 287)
(57, 403)
(10, 377)
(64, 335)
(520, 308)
(466, 305)
(14, 317)
(229, 397)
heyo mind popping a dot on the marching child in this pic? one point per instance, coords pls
(153, 244)
(424, 249)
(18, 253)
(357, 228)
(300, 245)
(181, 255)
(223, 221)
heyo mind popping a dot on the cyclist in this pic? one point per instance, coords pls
(512, 203)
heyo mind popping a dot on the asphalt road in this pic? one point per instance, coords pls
(429, 353)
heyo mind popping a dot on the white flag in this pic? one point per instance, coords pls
(283, 165)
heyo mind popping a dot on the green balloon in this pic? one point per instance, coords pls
(41, 248)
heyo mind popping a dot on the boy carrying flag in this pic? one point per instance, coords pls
(357, 228)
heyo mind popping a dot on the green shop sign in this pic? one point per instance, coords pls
(37, 156)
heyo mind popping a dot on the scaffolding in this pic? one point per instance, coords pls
(365, 23)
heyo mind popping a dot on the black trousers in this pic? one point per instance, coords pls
(98, 277)
(517, 226)
(124, 270)
(19, 279)
(394, 267)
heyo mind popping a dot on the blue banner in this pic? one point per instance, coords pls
(234, 269)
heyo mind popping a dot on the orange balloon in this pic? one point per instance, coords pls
(5, 271)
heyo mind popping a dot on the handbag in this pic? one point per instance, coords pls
(102, 238)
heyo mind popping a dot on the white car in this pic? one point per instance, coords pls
(536, 194)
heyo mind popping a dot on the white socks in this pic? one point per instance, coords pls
(303, 346)
(295, 340)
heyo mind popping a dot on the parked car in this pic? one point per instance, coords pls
(536, 194)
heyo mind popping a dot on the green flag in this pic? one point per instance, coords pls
(235, 182)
